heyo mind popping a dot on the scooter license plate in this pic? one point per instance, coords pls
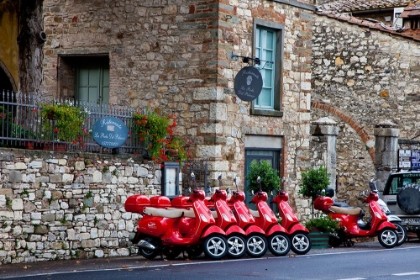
(411, 220)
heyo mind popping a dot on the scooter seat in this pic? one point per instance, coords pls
(254, 213)
(187, 212)
(346, 210)
(168, 213)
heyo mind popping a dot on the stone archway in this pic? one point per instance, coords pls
(6, 80)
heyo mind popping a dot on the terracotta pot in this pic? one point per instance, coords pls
(29, 145)
(57, 147)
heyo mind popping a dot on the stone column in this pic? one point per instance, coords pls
(324, 133)
(386, 151)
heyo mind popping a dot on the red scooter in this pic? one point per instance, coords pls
(298, 234)
(278, 240)
(256, 243)
(351, 221)
(171, 231)
(225, 219)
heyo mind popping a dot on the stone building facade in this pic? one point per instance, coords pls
(177, 56)
(360, 79)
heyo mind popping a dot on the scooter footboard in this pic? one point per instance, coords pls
(386, 224)
(212, 229)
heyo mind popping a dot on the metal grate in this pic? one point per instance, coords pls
(21, 123)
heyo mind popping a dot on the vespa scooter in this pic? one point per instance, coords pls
(352, 224)
(401, 230)
(298, 233)
(278, 240)
(171, 231)
(225, 219)
(256, 243)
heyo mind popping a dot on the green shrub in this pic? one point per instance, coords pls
(322, 224)
(270, 179)
(314, 180)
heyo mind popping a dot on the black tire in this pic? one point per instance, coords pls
(408, 199)
(172, 253)
(279, 244)
(418, 234)
(236, 246)
(388, 238)
(147, 253)
(401, 232)
(256, 245)
(215, 246)
(194, 251)
(301, 243)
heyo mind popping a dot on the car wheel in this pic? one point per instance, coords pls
(408, 199)
(388, 238)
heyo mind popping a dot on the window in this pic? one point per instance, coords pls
(268, 42)
(92, 81)
(84, 78)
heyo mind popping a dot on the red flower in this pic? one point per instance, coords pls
(55, 130)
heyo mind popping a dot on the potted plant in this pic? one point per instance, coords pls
(156, 131)
(63, 122)
(176, 148)
(314, 180)
(321, 230)
(270, 179)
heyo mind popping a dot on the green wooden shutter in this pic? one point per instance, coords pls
(265, 49)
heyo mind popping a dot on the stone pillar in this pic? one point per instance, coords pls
(386, 151)
(324, 133)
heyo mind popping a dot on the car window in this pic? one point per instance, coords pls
(394, 185)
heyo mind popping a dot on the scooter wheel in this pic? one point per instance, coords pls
(301, 243)
(256, 245)
(148, 253)
(388, 238)
(215, 246)
(401, 232)
(279, 244)
(194, 251)
(236, 246)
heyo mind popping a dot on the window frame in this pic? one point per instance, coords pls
(278, 67)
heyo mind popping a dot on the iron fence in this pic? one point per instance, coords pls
(21, 124)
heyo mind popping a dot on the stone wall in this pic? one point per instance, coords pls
(360, 78)
(62, 206)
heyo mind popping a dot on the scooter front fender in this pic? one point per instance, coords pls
(212, 229)
(394, 218)
(252, 229)
(275, 228)
(234, 229)
(297, 227)
(386, 224)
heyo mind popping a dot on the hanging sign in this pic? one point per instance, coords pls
(110, 132)
(248, 83)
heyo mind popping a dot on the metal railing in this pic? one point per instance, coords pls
(21, 124)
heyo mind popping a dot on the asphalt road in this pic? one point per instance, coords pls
(365, 260)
